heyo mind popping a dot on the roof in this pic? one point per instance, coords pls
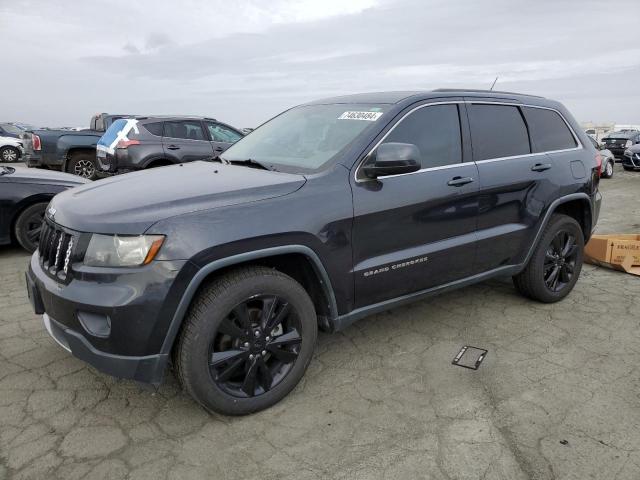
(173, 117)
(396, 97)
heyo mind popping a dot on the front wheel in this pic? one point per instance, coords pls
(28, 226)
(247, 341)
(608, 170)
(555, 265)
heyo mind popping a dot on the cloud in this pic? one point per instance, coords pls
(246, 60)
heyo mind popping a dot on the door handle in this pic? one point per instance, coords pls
(540, 167)
(173, 147)
(459, 181)
(219, 149)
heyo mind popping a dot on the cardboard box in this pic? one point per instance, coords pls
(618, 251)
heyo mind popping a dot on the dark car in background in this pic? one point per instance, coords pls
(13, 129)
(24, 195)
(67, 150)
(145, 142)
(631, 159)
(329, 212)
(618, 142)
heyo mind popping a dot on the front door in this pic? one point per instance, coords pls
(415, 231)
(185, 141)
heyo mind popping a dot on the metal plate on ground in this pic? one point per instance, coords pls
(470, 357)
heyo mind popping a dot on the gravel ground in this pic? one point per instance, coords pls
(556, 398)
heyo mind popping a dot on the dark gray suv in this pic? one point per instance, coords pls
(144, 142)
(327, 213)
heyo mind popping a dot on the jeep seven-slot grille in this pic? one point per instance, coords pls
(56, 249)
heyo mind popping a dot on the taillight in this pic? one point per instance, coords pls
(599, 163)
(35, 142)
(127, 143)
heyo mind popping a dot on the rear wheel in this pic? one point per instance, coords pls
(555, 265)
(9, 154)
(28, 226)
(608, 170)
(84, 165)
(247, 341)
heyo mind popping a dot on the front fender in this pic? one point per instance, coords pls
(206, 270)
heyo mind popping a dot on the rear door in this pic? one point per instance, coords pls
(222, 136)
(415, 231)
(517, 178)
(186, 141)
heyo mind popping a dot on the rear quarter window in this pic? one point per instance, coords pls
(497, 131)
(154, 128)
(548, 130)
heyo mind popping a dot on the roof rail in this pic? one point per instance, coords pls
(472, 90)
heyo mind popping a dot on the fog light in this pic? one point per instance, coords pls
(96, 324)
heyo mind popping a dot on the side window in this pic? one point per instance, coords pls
(548, 130)
(435, 130)
(154, 128)
(497, 131)
(191, 130)
(220, 133)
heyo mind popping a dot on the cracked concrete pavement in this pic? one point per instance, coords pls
(556, 398)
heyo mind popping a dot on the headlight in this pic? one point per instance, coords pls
(122, 250)
(628, 144)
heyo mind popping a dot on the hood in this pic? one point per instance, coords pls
(634, 148)
(44, 177)
(131, 203)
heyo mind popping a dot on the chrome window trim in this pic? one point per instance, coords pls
(488, 160)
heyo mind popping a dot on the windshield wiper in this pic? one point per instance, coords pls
(7, 170)
(250, 162)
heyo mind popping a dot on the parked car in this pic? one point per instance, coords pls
(145, 142)
(10, 149)
(608, 159)
(13, 129)
(618, 142)
(24, 195)
(67, 150)
(329, 212)
(631, 159)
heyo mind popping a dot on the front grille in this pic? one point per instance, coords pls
(57, 247)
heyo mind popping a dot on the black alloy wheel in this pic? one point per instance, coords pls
(255, 347)
(246, 341)
(555, 264)
(560, 261)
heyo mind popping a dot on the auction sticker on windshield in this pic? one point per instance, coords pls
(368, 116)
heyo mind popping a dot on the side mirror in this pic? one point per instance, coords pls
(393, 159)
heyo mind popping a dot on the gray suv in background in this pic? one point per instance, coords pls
(145, 142)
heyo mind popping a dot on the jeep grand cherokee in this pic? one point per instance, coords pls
(329, 212)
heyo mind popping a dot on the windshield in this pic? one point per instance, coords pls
(11, 129)
(305, 137)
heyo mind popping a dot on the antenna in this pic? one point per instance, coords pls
(493, 84)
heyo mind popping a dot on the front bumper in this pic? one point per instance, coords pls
(135, 304)
(631, 161)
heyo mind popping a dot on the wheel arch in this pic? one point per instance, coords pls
(575, 205)
(23, 205)
(298, 261)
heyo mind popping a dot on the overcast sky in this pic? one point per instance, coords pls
(243, 61)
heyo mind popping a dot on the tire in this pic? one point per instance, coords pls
(28, 226)
(536, 281)
(9, 154)
(628, 169)
(214, 327)
(608, 170)
(84, 165)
